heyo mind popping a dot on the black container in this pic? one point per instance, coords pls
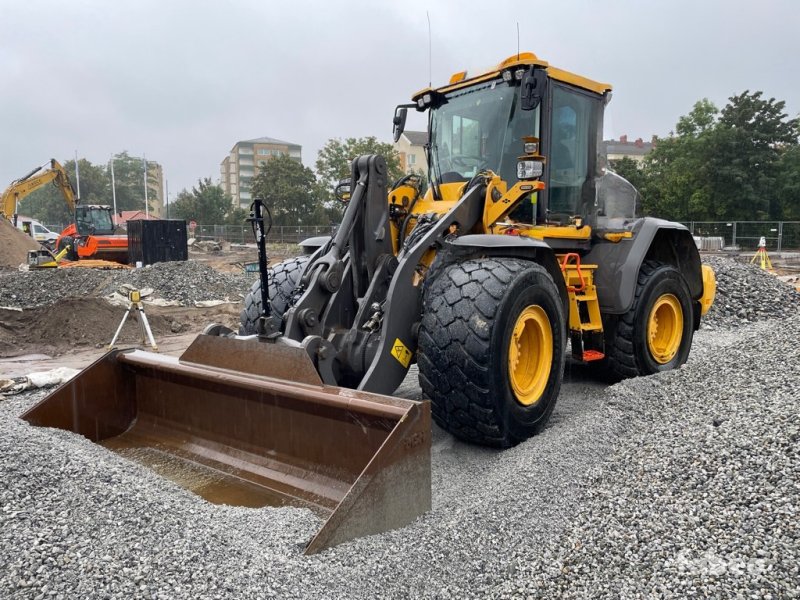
(156, 241)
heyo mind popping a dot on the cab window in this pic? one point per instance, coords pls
(569, 156)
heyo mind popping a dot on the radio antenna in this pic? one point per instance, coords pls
(430, 45)
(517, 40)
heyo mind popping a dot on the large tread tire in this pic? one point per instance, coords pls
(283, 279)
(627, 351)
(469, 314)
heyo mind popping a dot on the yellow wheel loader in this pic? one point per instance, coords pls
(522, 244)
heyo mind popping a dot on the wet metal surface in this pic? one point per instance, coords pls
(243, 438)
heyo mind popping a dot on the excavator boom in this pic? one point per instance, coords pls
(34, 180)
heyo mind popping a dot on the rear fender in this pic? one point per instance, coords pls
(618, 263)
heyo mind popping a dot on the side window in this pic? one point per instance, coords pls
(569, 150)
(38, 229)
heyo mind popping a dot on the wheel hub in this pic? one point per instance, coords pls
(530, 355)
(665, 329)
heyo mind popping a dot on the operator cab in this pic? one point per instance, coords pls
(92, 219)
(482, 123)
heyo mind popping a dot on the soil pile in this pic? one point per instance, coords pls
(14, 245)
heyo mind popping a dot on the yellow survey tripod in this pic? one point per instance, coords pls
(761, 255)
(135, 299)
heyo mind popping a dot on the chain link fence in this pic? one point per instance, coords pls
(744, 235)
(243, 234)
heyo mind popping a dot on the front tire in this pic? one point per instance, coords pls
(283, 279)
(656, 333)
(491, 349)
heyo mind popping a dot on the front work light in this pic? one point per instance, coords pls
(529, 169)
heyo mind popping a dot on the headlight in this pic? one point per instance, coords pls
(420, 103)
(531, 147)
(427, 98)
(507, 76)
(529, 169)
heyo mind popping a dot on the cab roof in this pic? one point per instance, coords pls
(463, 79)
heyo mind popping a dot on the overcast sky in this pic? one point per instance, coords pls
(182, 81)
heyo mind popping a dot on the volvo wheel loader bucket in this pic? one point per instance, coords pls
(248, 423)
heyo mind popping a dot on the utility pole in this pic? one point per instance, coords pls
(113, 185)
(77, 176)
(146, 206)
(166, 196)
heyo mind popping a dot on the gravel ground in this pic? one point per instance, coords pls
(746, 293)
(682, 484)
(183, 282)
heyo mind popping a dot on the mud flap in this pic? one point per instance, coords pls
(248, 423)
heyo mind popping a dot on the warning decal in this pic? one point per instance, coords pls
(401, 353)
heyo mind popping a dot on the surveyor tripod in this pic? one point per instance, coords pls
(135, 302)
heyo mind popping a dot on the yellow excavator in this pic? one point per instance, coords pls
(522, 245)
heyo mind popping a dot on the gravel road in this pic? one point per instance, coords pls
(682, 484)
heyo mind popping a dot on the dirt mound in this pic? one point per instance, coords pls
(74, 322)
(14, 245)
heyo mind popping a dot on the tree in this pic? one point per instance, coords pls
(129, 180)
(335, 159)
(206, 203)
(733, 164)
(288, 189)
(629, 169)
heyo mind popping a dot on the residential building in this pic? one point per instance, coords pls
(411, 148)
(239, 167)
(622, 148)
(155, 188)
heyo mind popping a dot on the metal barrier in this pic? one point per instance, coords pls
(243, 234)
(779, 235)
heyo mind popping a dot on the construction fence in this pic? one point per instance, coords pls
(745, 235)
(742, 235)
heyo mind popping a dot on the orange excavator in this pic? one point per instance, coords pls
(90, 235)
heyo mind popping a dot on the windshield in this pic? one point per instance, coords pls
(93, 220)
(480, 128)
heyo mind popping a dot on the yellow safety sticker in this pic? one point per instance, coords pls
(401, 353)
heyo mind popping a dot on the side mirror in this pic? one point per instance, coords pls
(532, 88)
(342, 191)
(399, 121)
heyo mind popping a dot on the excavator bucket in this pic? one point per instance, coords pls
(249, 423)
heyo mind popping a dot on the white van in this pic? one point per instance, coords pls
(36, 230)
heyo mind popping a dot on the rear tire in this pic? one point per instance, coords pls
(283, 279)
(476, 315)
(656, 333)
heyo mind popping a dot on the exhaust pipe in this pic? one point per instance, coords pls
(249, 423)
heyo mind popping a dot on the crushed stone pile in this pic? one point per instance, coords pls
(185, 282)
(181, 282)
(701, 497)
(14, 245)
(746, 293)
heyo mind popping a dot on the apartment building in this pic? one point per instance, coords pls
(239, 167)
(622, 148)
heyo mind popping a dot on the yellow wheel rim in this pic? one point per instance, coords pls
(665, 329)
(530, 355)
